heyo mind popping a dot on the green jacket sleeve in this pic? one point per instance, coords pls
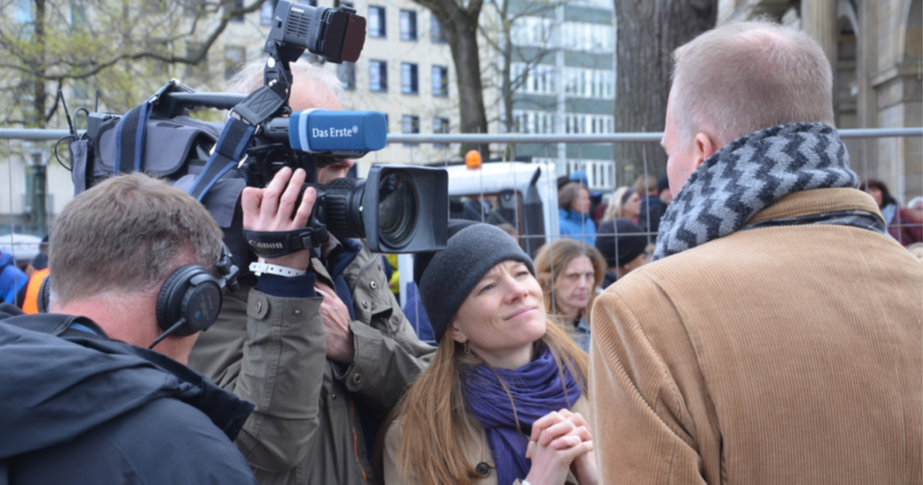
(389, 356)
(271, 352)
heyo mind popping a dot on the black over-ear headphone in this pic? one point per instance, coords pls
(190, 298)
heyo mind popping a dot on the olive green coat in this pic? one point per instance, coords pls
(306, 426)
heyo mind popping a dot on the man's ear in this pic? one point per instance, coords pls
(455, 333)
(705, 147)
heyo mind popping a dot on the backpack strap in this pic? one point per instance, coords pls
(256, 108)
(129, 139)
(228, 151)
(131, 132)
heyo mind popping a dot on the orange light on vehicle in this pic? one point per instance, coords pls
(473, 160)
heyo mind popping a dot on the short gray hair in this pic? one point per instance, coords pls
(747, 76)
(250, 77)
(128, 234)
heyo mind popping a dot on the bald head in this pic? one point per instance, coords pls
(744, 77)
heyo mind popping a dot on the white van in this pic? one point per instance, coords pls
(524, 194)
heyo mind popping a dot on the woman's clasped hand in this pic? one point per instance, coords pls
(560, 442)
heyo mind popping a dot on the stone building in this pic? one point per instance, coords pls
(876, 52)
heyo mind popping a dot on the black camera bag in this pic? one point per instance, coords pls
(172, 146)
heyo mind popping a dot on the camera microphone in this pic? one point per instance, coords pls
(342, 134)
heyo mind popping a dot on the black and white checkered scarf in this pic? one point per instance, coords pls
(749, 174)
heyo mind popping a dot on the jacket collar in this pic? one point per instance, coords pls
(818, 201)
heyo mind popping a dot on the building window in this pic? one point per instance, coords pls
(410, 124)
(532, 31)
(199, 70)
(346, 72)
(24, 12)
(237, 5)
(376, 21)
(440, 81)
(81, 89)
(589, 83)
(408, 25)
(436, 35)
(440, 126)
(267, 11)
(378, 76)
(234, 57)
(78, 17)
(409, 78)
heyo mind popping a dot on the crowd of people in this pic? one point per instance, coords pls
(769, 330)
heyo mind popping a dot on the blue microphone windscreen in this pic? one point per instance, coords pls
(319, 131)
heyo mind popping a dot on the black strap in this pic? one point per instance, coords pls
(256, 108)
(230, 148)
(275, 244)
(131, 132)
(129, 140)
(260, 105)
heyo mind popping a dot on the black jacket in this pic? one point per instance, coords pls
(81, 408)
(609, 278)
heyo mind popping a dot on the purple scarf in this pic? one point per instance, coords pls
(536, 389)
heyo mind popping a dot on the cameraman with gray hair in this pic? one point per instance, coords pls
(777, 337)
(334, 353)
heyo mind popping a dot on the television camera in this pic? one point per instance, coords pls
(398, 209)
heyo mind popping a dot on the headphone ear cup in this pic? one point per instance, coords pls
(201, 302)
(169, 300)
(44, 295)
(190, 293)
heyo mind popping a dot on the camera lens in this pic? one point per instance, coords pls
(397, 208)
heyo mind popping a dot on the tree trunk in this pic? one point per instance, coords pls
(38, 82)
(459, 23)
(648, 32)
(470, 89)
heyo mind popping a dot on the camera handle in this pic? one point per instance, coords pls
(270, 245)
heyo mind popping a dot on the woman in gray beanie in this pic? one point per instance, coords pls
(501, 401)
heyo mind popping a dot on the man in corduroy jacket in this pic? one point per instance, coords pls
(778, 335)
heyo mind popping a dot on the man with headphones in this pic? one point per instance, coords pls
(135, 263)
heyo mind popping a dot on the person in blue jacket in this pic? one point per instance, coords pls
(416, 315)
(574, 219)
(12, 279)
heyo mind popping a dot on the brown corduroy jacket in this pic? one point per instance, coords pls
(778, 355)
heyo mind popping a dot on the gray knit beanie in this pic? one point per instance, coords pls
(446, 279)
